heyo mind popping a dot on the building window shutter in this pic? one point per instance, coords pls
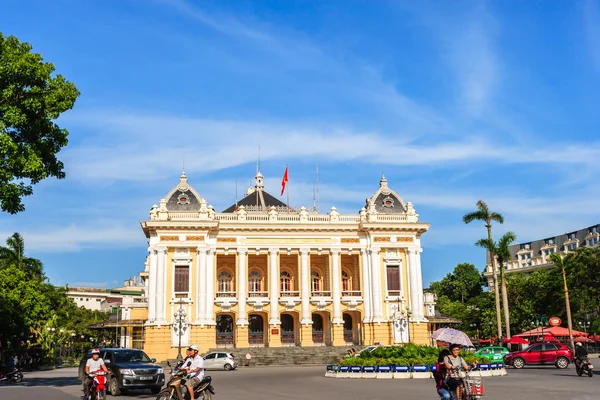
(182, 278)
(393, 280)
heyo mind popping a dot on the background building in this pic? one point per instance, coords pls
(531, 256)
(263, 274)
(107, 299)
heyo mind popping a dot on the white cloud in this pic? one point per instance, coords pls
(75, 237)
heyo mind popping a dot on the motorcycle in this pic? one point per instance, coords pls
(16, 375)
(472, 386)
(98, 388)
(584, 366)
(176, 389)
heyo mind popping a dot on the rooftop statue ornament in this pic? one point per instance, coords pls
(242, 213)
(163, 213)
(334, 216)
(303, 214)
(272, 214)
(371, 211)
(363, 214)
(411, 213)
(211, 212)
(154, 213)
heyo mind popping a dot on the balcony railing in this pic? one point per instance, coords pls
(258, 294)
(351, 293)
(226, 294)
(320, 293)
(394, 293)
(290, 293)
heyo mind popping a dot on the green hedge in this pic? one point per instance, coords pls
(409, 354)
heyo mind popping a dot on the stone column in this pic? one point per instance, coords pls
(242, 286)
(306, 322)
(161, 284)
(376, 286)
(210, 287)
(305, 286)
(420, 303)
(366, 286)
(336, 277)
(274, 286)
(152, 282)
(201, 285)
(413, 282)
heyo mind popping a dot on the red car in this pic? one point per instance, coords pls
(541, 353)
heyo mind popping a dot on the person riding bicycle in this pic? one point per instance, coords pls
(92, 365)
(581, 354)
(454, 362)
(195, 371)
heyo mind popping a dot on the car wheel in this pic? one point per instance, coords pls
(518, 363)
(562, 362)
(114, 387)
(227, 367)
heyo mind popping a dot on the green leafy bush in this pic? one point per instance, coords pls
(409, 354)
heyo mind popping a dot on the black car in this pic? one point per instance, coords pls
(129, 369)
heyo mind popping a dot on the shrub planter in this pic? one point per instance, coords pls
(385, 372)
(421, 372)
(401, 372)
(369, 372)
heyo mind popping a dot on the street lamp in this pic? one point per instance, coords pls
(180, 318)
(585, 325)
(541, 320)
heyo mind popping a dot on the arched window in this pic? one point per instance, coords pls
(345, 282)
(285, 280)
(254, 281)
(315, 281)
(224, 280)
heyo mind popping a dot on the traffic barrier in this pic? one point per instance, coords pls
(402, 372)
(385, 372)
(355, 372)
(369, 372)
(420, 372)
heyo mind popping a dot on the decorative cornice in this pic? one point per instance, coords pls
(169, 238)
(404, 239)
(196, 238)
(382, 239)
(226, 240)
(349, 240)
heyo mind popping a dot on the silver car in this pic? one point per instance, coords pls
(220, 361)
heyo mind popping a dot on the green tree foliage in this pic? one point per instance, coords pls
(13, 255)
(31, 98)
(29, 305)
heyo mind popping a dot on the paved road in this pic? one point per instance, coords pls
(291, 383)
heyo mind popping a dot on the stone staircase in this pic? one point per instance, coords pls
(288, 355)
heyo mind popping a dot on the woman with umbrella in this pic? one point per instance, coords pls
(454, 363)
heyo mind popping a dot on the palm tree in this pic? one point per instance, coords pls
(561, 263)
(503, 255)
(14, 255)
(484, 214)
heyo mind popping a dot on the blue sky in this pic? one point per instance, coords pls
(456, 100)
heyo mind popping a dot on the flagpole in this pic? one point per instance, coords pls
(288, 188)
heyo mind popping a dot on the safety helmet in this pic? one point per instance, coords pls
(95, 351)
(194, 347)
(578, 344)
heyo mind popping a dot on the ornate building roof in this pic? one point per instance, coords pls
(386, 201)
(183, 197)
(257, 198)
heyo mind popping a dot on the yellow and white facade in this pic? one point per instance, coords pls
(262, 274)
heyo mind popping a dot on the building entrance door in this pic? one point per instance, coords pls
(256, 330)
(348, 329)
(318, 332)
(224, 330)
(287, 329)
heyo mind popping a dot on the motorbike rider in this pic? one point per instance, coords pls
(454, 362)
(92, 365)
(195, 371)
(581, 354)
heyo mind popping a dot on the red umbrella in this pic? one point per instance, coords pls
(516, 340)
(582, 339)
(556, 331)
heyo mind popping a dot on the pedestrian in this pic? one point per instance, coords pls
(440, 376)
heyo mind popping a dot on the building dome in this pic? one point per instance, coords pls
(387, 201)
(183, 197)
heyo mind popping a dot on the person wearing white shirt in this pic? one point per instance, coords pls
(195, 371)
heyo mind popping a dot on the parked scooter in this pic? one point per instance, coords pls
(15, 376)
(176, 389)
(584, 366)
(98, 388)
